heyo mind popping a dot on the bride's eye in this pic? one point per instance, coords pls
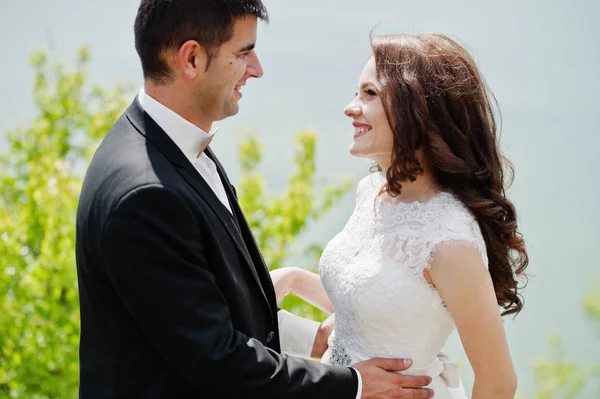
(370, 92)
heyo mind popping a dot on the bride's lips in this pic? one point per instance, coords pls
(361, 129)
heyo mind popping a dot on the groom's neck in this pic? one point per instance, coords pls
(178, 99)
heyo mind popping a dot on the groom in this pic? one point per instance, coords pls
(176, 301)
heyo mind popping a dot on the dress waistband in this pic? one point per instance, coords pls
(440, 366)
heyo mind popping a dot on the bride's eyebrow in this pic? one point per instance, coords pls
(365, 84)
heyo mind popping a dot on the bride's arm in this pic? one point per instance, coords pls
(466, 287)
(307, 285)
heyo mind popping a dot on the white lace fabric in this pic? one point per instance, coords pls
(373, 273)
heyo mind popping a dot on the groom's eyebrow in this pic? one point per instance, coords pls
(247, 48)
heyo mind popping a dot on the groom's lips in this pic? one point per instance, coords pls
(237, 89)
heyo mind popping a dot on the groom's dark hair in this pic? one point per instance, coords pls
(166, 24)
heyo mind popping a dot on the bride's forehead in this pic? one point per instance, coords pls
(368, 75)
(369, 71)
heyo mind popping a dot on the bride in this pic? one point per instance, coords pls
(432, 244)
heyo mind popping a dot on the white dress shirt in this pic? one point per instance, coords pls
(189, 138)
(297, 334)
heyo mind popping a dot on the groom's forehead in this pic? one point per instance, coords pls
(244, 29)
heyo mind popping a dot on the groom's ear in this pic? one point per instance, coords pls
(192, 59)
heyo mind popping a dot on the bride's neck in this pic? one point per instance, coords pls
(422, 189)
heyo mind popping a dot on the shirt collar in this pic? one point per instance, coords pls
(187, 136)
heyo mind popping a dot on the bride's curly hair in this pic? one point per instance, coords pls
(436, 101)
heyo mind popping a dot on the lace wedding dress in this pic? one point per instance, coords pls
(373, 273)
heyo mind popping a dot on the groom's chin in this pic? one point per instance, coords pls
(233, 109)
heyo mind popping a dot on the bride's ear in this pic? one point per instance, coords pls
(192, 59)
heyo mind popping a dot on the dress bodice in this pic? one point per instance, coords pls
(373, 273)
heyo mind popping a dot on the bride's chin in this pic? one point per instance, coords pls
(356, 151)
(359, 152)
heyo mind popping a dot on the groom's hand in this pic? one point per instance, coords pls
(320, 345)
(379, 380)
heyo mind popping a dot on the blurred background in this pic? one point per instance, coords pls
(540, 58)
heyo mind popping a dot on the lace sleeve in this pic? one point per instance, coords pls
(468, 234)
(414, 231)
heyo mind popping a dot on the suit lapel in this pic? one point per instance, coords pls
(146, 126)
(258, 265)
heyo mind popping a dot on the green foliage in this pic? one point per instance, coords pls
(592, 304)
(277, 220)
(39, 314)
(559, 378)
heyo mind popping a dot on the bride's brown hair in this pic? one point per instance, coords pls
(436, 101)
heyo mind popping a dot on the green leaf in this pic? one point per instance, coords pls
(39, 316)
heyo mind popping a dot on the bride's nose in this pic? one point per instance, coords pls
(352, 110)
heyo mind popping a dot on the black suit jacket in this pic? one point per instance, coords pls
(176, 301)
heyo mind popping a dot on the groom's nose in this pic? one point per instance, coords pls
(254, 68)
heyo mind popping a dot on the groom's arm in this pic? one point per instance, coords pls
(300, 336)
(304, 337)
(156, 261)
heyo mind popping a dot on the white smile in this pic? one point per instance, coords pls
(361, 130)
